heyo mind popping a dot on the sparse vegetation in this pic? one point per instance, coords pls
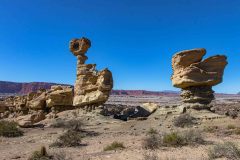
(114, 146)
(173, 139)
(74, 124)
(231, 126)
(43, 155)
(193, 137)
(226, 150)
(150, 156)
(40, 155)
(237, 131)
(152, 131)
(152, 142)
(70, 138)
(9, 129)
(184, 120)
(210, 129)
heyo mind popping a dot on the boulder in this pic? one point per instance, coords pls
(30, 119)
(37, 101)
(60, 96)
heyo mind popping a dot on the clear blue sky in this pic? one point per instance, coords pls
(135, 39)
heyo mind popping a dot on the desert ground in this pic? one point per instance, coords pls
(103, 130)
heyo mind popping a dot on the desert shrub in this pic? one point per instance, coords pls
(40, 155)
(152, 142)
(173, 139)
(152, 131)
(231, 126)
(150, 156)
(184, 120)
(60, 156)
(192, 137)
(226, 150)
(114, 146)
(237, 131)
(9, 129)
(70, 138)
(232, 113)
(210, 129)
(43, 155)
(74, 124)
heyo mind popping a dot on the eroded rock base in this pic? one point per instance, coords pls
(198, 97)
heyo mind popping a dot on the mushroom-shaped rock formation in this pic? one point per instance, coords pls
(196, 76)
(92, 87)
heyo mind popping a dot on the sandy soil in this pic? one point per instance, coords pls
(131, 133)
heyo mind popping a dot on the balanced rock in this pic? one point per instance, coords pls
(196, 76)
(92, 87)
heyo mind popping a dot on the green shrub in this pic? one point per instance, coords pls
(70, 138)
(9, 129)
(231, 126)
(184, 120)
(226, 150)
(114, 146)
(173, 139)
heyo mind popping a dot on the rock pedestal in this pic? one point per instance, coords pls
(196, 76)
(92, 87)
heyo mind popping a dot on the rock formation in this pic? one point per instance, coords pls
(196, 76)
(92, 87)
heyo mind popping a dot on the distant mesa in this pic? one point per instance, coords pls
(12, 88)
(7, 87)
(196, 76)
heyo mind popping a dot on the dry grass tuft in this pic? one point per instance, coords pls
(70, 138)
(9, 129)
(173, 139)
(43, 155)
(226, 150)
(184, 120)
(114, 146)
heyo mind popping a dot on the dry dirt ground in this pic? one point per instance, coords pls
(131, 133)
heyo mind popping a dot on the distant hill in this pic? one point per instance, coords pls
(12, 88)
(22, 88)
(143, 92)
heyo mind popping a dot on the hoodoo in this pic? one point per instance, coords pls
(196, 76)
(92, 87)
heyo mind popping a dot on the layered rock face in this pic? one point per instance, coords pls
(92, 87)
(196, 76)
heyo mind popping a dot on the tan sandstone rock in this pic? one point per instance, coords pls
(196, 76)
(37, 101)
(60, 96)
(92, 87)
(30, 119)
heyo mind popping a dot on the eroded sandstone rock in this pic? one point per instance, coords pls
(92, 87)
(196, 76)
(60, 96)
